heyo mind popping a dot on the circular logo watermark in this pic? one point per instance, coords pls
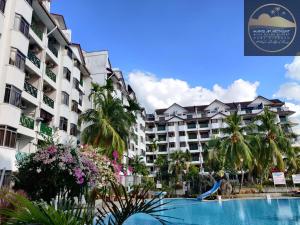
(272, 28)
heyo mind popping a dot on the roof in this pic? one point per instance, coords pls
(232, 105)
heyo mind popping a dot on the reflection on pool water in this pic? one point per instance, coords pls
(232, 212)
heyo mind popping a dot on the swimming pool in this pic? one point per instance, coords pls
(232, 212)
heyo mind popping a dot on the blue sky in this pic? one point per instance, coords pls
(200, 42)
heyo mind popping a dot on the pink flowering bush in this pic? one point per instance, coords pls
(59, 169)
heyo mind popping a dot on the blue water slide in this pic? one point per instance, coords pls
(213, 190)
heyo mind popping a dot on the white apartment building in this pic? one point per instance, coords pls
(43, 79)
(46, 80)
(190, 128)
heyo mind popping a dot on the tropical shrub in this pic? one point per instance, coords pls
(60, 169)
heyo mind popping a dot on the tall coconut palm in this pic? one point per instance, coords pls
(271, 143)
(161, 164)
(233, 146)
(108, 123)
(179, 161)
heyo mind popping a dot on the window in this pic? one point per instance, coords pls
(80, 99)
(8, 136)
(171, 124)
(75, 84)
(2, 5)
(172, 144)
(69, 52)
(67, 74)
(73, 129)
(182, 144)
(74, 106)
(142, 139)
(63, 124)
(215, 131)
(171, 134)
(214, 121)
(22, 25)
(17, 59)
(12, 95)
(181, 133)
(64, 98)
(189, 116)
(77, 63)
(181, 123)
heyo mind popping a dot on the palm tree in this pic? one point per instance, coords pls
(271, 144)
(179, 162)
(161, 163)
(139, 167)
(153, 145)
(108, 122)
(233, 146)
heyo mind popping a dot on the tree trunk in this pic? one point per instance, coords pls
(242, 180)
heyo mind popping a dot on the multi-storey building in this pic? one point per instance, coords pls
(190, 128)
(43, 79)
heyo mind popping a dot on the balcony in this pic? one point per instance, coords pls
(27, 122)
(191, 126)
(34, 59)
(45, 129)
(193, 136)
(48, 101)
(30, 89)
(203, 125)
(37, 30)
(50, 74)
(53, 49)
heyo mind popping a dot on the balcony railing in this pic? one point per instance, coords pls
(191, 126)
(48, 101)
(34, 59)
(45, 129)
(37, 30)
(161, 128)
(53, 49)
(193, 136)
(50, 74)
(30, 89)
(203, 125)
(27, 122)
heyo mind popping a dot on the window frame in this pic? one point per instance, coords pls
(65, 98)
(12, 95)
(67, 74)
(18, 59)
(21, 24)
(73, 129)
(12, 142)
(63, 123)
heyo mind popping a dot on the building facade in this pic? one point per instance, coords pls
(45, 80)
(190, 128)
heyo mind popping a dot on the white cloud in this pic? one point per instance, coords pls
(289, 91)
(154, 93)
(293, 69)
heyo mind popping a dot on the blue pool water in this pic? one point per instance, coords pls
(232, 212)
